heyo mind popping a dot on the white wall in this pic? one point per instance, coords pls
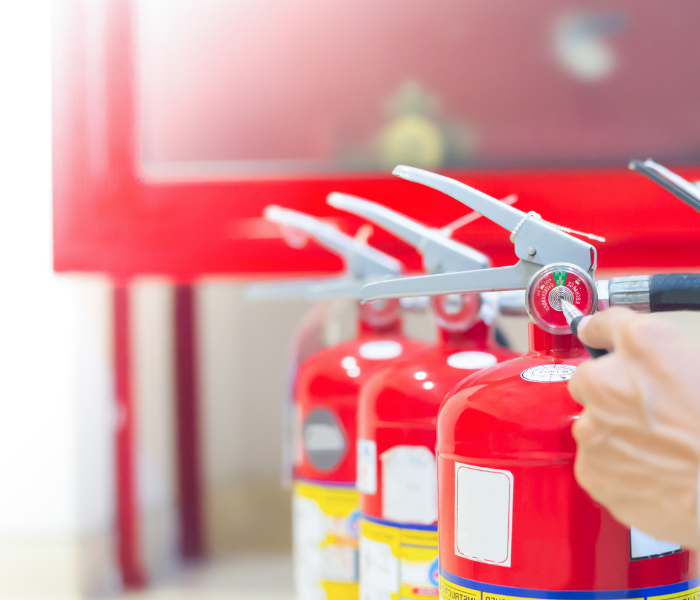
(56, 417)
(153, 363)
(242, 355)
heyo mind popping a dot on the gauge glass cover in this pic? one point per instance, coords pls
(554, 283)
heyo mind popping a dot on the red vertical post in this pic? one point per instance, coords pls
(127, 508)
(187, 424)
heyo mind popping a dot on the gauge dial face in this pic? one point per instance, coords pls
(548, 373)
(553, 284)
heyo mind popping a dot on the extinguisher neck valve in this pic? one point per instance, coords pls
(557, 346)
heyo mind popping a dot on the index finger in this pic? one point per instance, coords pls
(602, 330)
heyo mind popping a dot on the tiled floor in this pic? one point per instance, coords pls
(240, 577)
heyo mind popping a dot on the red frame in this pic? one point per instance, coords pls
(109, 218)
(128, 524)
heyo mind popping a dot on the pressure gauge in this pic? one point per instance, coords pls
(554, 283)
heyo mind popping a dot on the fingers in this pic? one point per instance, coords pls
(603, 382)
(584, 386)
(603, 329)
(578, 386)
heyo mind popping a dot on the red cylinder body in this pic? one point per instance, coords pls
(325, 500)
(513, 521)
(397, 477)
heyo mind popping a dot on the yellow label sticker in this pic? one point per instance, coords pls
(341, 591)
(333, 501)
(491, 596)
(325, 523)
(693, 594)
(452, 591)
(398, 562)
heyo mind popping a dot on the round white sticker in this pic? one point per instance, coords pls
(471, 360)
(548, 373)
(380, 350)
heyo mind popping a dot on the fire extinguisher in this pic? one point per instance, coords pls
(325, 501)
(513, 522)
(397, 414)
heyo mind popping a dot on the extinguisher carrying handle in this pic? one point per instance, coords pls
(679, 187)
(440, 254)
(328, 288)
(652, 293)
(361, 259)
(341, 287)
(484, 280)
(288, 289)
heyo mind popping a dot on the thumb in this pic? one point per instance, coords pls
(603, 329)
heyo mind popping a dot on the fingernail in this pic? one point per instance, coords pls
(582, 324)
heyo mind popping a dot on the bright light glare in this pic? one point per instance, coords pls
(348, 362)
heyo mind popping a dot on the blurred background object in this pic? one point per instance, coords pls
(142, 396)
(445, 83)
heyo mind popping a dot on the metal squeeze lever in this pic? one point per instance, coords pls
(440, 254)
(363, 263)
(679, 187)
(536, 244)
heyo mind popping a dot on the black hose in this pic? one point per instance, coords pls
(675, 291)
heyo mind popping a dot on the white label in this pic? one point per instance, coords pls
(339, 563)
(309, 532)
(367, 593)
(409, 485)
(366, 466)
(419, 573)
(484, 514)
(471, 360)
(380, 350)
(549, 373)
(379, 569)
(645, 546)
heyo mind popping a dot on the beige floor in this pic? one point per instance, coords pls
(240, 577)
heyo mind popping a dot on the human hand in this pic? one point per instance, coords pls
(638, 436)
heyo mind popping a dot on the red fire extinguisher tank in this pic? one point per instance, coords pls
(397, 477)
(513, 521)
(325, 506)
